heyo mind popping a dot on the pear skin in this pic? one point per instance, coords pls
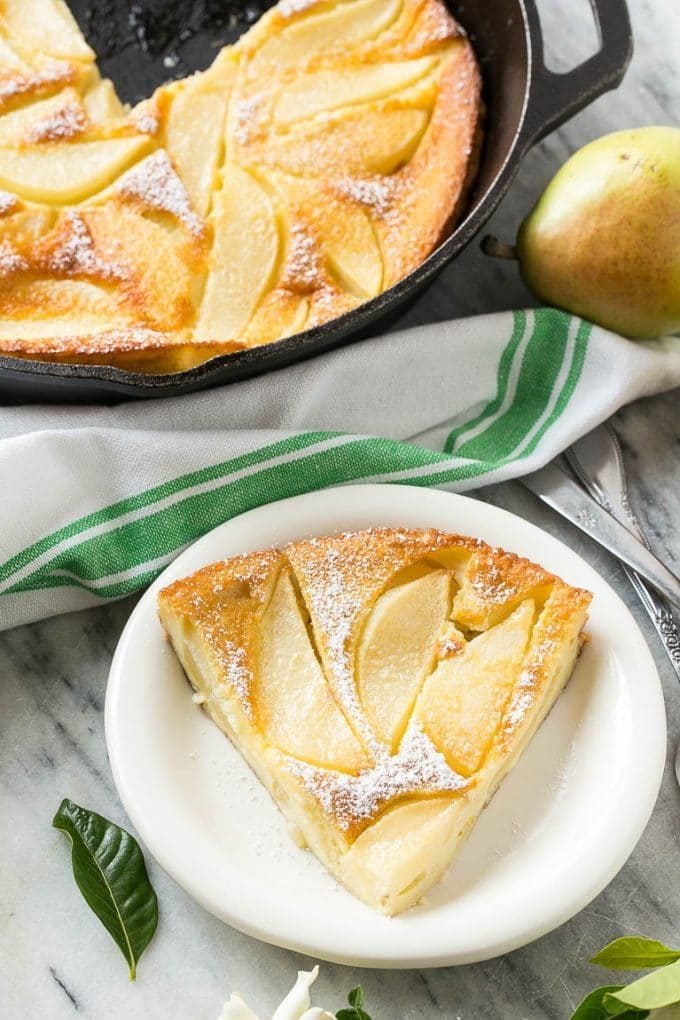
(603, 241)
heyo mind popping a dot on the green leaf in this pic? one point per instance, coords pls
(356, 1001)
(653, 991)
(109, 870)
(593, 1006)
(635, 953)
(356, 997)
(619, 1009)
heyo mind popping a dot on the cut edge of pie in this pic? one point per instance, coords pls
(380, 684)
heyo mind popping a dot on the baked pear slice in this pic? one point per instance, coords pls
(380, 684)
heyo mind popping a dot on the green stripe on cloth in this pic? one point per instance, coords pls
(573, 375)
(161, 532)
(541, 356)
(538, 375)
(150, 496)
(122, 547)
(504, 366)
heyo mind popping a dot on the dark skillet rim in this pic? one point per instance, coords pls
(537, 116)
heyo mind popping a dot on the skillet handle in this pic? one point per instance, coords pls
(554, 98)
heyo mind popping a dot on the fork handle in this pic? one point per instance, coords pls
(662, 616)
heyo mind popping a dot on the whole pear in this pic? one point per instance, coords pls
(603, 241)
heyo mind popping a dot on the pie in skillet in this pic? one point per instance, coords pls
(381, 684)
(317, 161)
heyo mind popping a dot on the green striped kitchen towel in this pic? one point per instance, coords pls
(97, 500)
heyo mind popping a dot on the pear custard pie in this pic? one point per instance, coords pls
(318, 161)
(380, 684)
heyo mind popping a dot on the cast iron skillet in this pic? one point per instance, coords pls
(136, 43)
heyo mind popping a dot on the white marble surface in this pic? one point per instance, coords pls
(57, 962)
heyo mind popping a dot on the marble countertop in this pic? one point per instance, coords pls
(58, 962)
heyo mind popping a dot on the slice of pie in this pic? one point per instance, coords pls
(381, 684)
(317, 161)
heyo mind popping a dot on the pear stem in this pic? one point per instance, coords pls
(498, 249)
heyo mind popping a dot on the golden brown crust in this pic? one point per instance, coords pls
(224, 603)
(16, 87)
(337, 142)
(135, 349)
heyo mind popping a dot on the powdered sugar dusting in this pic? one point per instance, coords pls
(8, 203)
(155, 183)
(239, 676)
(524, 693)
(418, 767)
(289, 8)
(488, 583)
(112, 340)
(128, 338)
(66, 122)
(377, 193)
(335, 589)
(303, 268)
(146, 119)
(10, 260)
(336, 606)
(53, 72)
(76, 255)
(245, 113)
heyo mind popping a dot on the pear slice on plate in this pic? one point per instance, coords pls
(294, 704)
(462, 703)
(398, 649)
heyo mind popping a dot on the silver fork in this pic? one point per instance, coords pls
(597, 462)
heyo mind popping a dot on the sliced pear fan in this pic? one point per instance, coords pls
(317, 161)
(340, 668)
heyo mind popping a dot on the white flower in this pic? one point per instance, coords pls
(295, 1006)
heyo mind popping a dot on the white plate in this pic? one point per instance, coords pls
(559, 829)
